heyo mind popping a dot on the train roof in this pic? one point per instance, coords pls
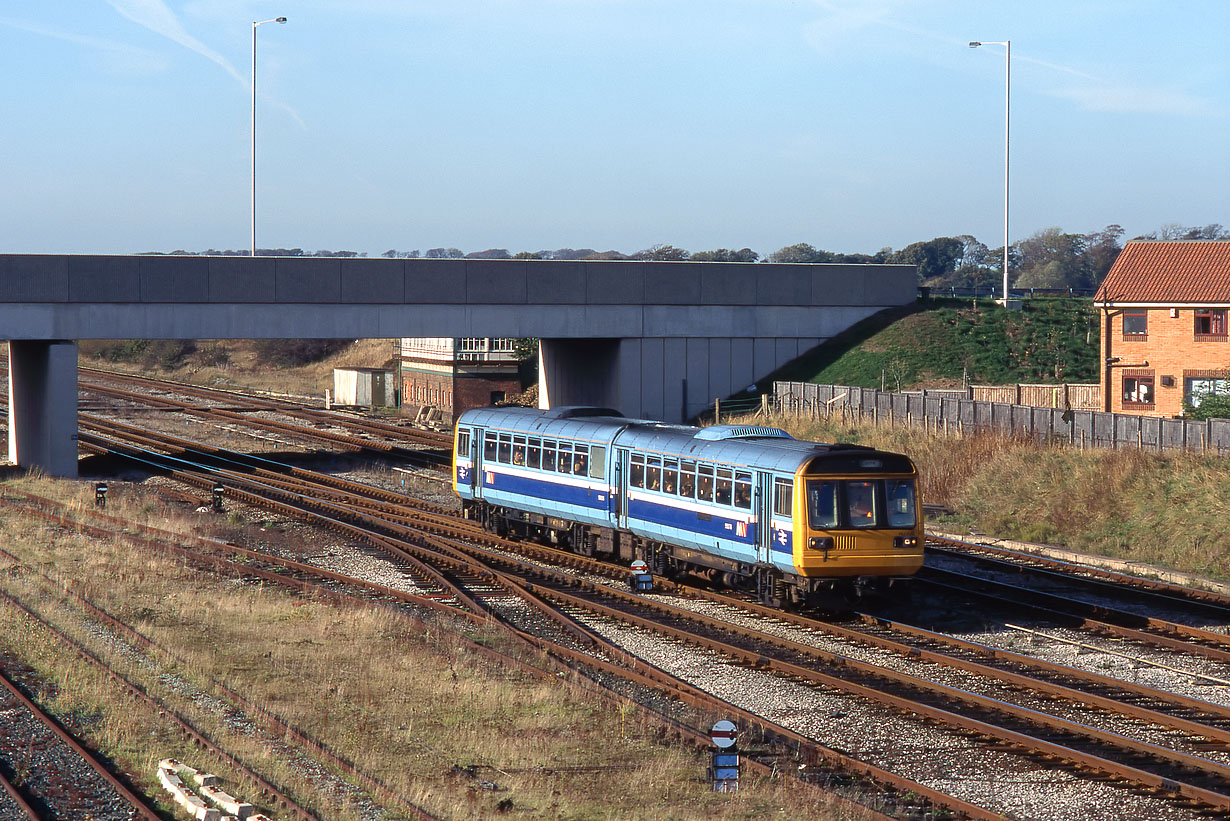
(765, 447)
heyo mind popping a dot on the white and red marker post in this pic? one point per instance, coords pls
(725, 765)
(642, 580)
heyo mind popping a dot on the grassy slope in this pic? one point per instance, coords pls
(937, 344)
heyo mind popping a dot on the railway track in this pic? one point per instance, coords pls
(46, 772)
(1183, 775)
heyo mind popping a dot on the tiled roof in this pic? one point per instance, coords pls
(1184, 271)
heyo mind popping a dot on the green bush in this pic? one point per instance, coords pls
(1213, 406)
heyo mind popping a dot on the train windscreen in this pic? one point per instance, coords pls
(861, 503)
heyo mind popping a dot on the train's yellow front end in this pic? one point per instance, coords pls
(858, 515)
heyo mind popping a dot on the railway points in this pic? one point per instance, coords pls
(912, 646)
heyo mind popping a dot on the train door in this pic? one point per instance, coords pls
(476, 462)
(619, 495)
(764, 512)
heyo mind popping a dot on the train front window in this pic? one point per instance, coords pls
(901, 507)
(861, 504)
(822, 505)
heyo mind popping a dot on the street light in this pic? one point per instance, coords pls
(1007, 44)
(254, 25)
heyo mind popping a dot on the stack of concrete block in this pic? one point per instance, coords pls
(171, 774)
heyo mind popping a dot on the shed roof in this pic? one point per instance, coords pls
(1169, 272)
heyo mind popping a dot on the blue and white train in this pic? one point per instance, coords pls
(799, 523)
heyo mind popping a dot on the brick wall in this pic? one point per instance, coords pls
(1173, 352)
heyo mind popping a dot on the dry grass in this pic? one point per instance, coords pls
(244, 372)
(1166, 509)
(406, 704)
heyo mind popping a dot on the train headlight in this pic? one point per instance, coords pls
(820, 543)
(905, 541)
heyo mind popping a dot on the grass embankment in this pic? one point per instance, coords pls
(417, 708)
(940, 343)
(1165, 509)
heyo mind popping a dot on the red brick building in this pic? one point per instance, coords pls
(1164, 326)
(454, 375)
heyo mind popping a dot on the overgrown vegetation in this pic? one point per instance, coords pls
(167, 354)
(1165, 509)
(295, 353)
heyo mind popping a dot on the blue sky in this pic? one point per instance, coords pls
(610, 124)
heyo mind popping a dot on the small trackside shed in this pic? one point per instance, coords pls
(364, 387)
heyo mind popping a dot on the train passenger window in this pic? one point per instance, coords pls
(580, 460)
(489, 447)
(687, 479)
(653, 473)
(704, 483)
(534, 453)
(861, 503)
(518, 456)
(505, 452)
(637, 477)
(548, 454)
(724, 487)
(597, 462)
(783, 497)
(564, 461)
(900, 495)
(670, 476)
(821, 505)
(743, 490)
(463, 443)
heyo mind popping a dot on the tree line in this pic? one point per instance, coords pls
(1050, 258)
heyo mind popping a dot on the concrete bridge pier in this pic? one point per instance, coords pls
(43, 405)
(671, 379)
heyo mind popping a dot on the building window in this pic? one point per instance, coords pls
(1211, 323)
(1138, 390)
(1135, 325)
(1196, 389)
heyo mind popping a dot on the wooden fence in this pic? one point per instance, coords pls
(954, 410)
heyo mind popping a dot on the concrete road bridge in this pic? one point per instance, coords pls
(657, 340)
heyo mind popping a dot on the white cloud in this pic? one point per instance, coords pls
(158, 18)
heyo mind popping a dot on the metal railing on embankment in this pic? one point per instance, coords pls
(944, 410)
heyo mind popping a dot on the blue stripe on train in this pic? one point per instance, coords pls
(542, 490)
(690, 521)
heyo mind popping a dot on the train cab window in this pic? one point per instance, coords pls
(534, 453)
(563, 462)
(724, 488)
(821, 505)
(743, 490)
(518, 451)
(861, 503)
(548, 454)
(489, 447)
(901, 507)
(580, 460)
(783, 497)
(670, 476)
(653, 473)
(597, 462)
(637, 477)
(504, 454)
(704, 483)
(687, 479)
(463, 443)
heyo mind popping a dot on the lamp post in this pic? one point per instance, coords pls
(254, 25)
(1007, 44)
